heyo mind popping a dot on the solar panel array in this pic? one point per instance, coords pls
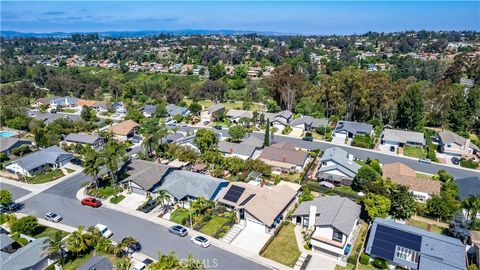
(234, 193)
(386, 239)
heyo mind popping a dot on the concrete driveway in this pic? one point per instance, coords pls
(338, 140)
(132, 201)
(251, 238)
(320, 262)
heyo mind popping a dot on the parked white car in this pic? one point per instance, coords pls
(104, 231)
(201, 241)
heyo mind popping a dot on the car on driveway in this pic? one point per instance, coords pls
(104, 231)
(425, 160)
(201, 241)
(178, 230)
(92, 202)
(148, 206)
(50, 216)
(11, 207)
(455, 160)
(217, 127)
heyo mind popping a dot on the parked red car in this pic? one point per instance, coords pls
(92, 202)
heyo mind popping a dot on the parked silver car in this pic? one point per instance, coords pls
(50, 216)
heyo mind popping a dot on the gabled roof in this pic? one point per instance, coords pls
(5, 240)
(406, 176)
(468, 186)
(124, 128)
(340, 158)
(146, 174)
(150, 109)
(284, 145)
(447, 137)
(353, 127)
(310, 121)
(215, 108)
(173, 110)
(436, 251)
(240, 113)
(403, 136)
(26, 257)
(284, 155)
(336, 211)
(50, 155)
(253, 141)
(81, 138)
(50, 117)
(86, 102)
(285, 114)
(7, 142)
(181, 183)
(236, 148)
(97, 263)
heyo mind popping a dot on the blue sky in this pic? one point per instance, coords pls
(322, 17)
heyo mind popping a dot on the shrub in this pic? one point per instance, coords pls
(26, 225)
(287, 130)
(468, 163)
(364, 259)
(226, 228)
(472, 267)
(380, 264)
(21, 150)
(352, 260)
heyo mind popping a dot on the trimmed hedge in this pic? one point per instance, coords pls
(380, 264)
(364, 259)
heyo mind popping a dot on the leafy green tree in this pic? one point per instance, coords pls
(25, 225)
(163, 197)
(165, 262)
(236, 133)
(195, 107)
(266, 139)
(306, 195)
(445, 204)
(216, 72)
(87, 114)
(410, 109)
(19, 122)
(376, 205)
(458, 115)
(6, 196)
(444, 177)
(205, 140)
(403, 203)
(459, 227)
(364, 175)
(161, 110)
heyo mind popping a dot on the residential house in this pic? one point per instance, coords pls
(212, 113)
(7, 144)
(100, 106)
(261, 207)
(452, 144)
(308, 123)
(283, 158)
(124, 130)
(52, 157)
(399, 138)
(43, 101)
(240, 150)
(474, 250)
(84, 139)
(347, 129)
(86, 103)
(337, 166)
(279, 120)
(332, 221)
(119, 107)
(48, 118)
(403, 175)
(468, 186)
(173, 110)
(235, 115)
(148, 110)
(412, 248)
(148, 178)
(188, 142)
(31, 256)
(97, 263)
(63, 102)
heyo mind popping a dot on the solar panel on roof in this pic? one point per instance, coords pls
(234, 193)
(386, 239)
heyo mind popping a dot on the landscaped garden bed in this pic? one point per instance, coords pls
(102, 192)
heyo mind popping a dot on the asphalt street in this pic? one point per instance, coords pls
(16, 191)
(359, 153)
(154, 238)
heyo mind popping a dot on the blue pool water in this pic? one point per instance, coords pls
(7, 134)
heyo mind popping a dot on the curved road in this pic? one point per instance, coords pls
(154, 238)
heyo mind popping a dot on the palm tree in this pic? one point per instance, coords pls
(92, 164)
(112, 153)
(163, 196)
(193, 264)
(127, 242)
(472, 205)
(165, 262)
(123, 264)
(92, 237)
(75, 243)
(54, 246)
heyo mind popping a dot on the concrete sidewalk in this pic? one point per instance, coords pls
(166, 223)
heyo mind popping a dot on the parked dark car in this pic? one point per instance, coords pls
(11, 207)
(148, 206)
(134, 246)
(455, 160)
(392, 148)
(308, 139)
(218, 127)
(178, 230)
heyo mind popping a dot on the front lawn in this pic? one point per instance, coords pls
(75, 263)
(283, 248)
(116, 199)
(45, 177)
(180, 216)
(424, 225)
(416, 152)
(69, 110)
(214, 225)
(44, 231)
(363, 141)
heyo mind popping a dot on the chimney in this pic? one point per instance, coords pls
(261, 183)
(284, 159)
(231, 150)
(311, 216)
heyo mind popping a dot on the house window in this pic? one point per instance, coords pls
(406, 254)
(337, 236)
(305, 221)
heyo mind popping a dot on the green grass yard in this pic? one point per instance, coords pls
(416, 152)
(423, 176)
(45, 177)
(44, 231)
(69, 110)
(214, 225)
(423, 225)
(283, 248)
(179, 216)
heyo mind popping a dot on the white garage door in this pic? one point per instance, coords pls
(253, 224)
(341, 135)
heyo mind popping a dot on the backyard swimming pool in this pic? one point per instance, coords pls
(7, 134)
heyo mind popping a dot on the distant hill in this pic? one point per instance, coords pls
(116, 34)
